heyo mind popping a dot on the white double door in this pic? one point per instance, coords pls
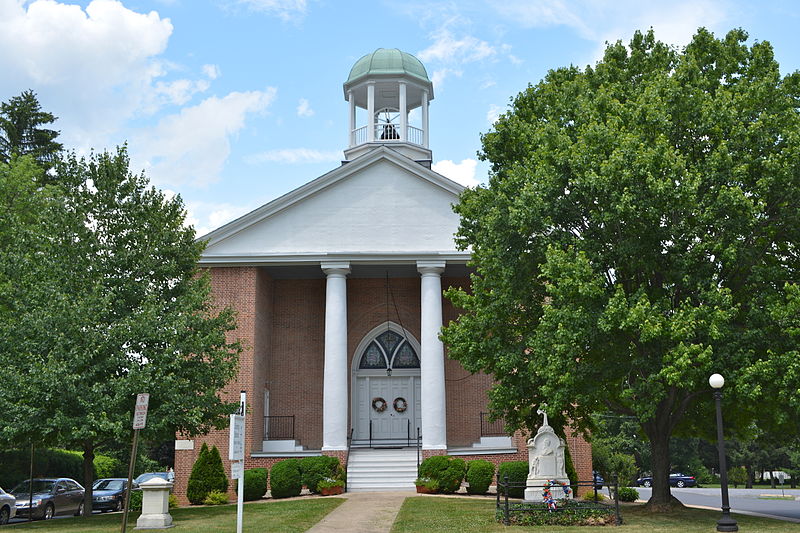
(389, 404)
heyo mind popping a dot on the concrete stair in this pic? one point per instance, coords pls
(381, 469)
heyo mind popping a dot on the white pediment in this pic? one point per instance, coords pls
(380, 203)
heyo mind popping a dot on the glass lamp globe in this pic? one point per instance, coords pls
(716, 381)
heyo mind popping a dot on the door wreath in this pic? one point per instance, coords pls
(379, 404)
(400, 404)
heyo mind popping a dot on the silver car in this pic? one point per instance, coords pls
(8, 508)
(51, 497)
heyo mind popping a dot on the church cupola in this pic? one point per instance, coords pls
(383, 90)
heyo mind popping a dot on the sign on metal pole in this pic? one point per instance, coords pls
(237, 470)
(236, 444)
(140, 413)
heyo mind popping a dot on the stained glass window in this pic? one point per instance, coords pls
(373, 357)
(389, 340)
(405, 357)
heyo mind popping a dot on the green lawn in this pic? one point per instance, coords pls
(458, 515)
(289, 516)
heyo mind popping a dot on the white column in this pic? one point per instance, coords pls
(403, 113)
(334, 384)
(352, 100)
(425, 119)
(434, 424)
(371, 112)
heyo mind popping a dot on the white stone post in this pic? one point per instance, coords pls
(352, 100)
(371, 112)
(425, 119)
(155, 505)
(434, 423)
(334, 386)
(403, 113)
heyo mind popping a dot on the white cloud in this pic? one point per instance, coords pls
(304, 108)
(463, 173)
(94, 68)
(286, 10)
(191, 147)
(673, 21)
(296, 155)
(206, 217)
(493, 114)
(211, 72)
(448, 49)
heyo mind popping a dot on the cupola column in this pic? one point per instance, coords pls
(403, 113)
(352, 100)
(334, 382)
(425, 119)
(434, 423)
(371, 112)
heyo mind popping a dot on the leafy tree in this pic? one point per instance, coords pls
(107, 302)
(639, 232)
(21, 133)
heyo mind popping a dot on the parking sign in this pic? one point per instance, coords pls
(140, 413)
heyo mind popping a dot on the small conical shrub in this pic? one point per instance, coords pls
(196, 491)
(207, 475)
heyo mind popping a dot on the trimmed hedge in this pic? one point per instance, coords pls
(517, 472)
(207, 475)
(285, 479)
(445, 473)
(315, 469)
(255, 484)
(54, 462)
(480, 473)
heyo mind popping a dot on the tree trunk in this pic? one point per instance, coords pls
(661, 499)
(88, 476)
(772, 477)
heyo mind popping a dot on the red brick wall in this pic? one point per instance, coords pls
(281, 327)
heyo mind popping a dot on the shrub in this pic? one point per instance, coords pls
(135, 503)
(216, 497)
(105, 466)
(173, 501)
(207, 475)
(570, 513)
(285, 479)
(442, 473)
(628, 494)
(479, 476)
(589, 496)
(315, 469)
(737, 476)
(255, 484)
(517, 472)
(54, 463)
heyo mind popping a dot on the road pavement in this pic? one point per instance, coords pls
(741, 500)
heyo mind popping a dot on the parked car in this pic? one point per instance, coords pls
(141, 478)
(108, 494)
(51, 497)
(598, 480)
(8, 507)
(675, 479)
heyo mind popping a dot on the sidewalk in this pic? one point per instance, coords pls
(363, 512)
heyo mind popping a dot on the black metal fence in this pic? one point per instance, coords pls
(509, 505)
(279, 427)
(492, 429)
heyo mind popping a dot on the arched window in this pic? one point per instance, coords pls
(388, 350)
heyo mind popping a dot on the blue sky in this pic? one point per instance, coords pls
(232, 103)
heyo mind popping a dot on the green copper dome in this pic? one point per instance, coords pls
(387, 62)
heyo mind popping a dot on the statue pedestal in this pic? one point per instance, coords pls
(533, 491)
(155, 505)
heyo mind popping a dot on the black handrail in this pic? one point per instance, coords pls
(492, 429)
(418, 451)
(279, 427)
(347, 458)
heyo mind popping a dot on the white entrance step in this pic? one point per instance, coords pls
(372, 470)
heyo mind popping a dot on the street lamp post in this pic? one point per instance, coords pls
(726, 522)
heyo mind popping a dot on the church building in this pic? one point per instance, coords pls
(337, 286)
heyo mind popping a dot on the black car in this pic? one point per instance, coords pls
(108, 494)
(51, 497)
(675, 480)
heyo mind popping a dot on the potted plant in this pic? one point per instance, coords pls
(426, 485)
(329, 486)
